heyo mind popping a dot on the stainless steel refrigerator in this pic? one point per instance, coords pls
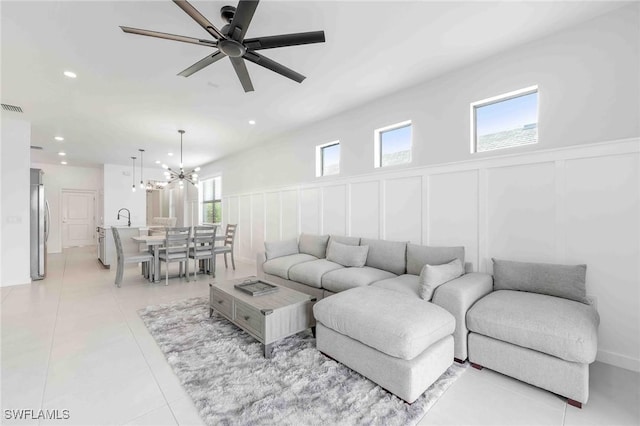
(40, 219)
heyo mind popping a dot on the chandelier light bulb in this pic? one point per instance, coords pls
(197, 169)
(164, 166)
(133, 188)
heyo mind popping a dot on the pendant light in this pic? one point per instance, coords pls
(133, 175)
(141, 170)
(181, 176)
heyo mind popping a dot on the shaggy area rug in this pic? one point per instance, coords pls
(223, 370)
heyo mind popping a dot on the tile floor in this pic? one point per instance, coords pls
(74, 341)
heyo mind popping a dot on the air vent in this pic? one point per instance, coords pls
(36, 147)
(11, 108)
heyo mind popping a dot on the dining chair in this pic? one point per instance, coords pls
(204, 240)
(229, 241)
(176, 249)
(128, 251)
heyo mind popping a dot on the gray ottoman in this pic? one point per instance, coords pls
(399, 342)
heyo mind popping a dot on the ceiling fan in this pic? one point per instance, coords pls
(229, 41)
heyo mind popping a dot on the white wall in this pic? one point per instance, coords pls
(58, 178)
(572, 198)
(588, 92)
(117, 194)
(14, 219)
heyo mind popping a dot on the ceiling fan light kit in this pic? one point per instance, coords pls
(229, 41)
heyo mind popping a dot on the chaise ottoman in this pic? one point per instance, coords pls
(399, 342)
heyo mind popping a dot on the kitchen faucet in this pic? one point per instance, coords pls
(128, 215)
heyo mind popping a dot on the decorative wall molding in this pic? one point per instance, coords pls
(570, 205)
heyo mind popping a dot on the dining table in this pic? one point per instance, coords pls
(155, 243)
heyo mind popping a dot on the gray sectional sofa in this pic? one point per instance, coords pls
(392, 265)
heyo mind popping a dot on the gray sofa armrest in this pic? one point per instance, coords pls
(457, 296)
(261, 257)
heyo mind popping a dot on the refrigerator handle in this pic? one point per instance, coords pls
(47, 221)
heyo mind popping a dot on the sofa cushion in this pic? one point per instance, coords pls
(351, 241)
(407, 284)
(347, 255)
(418, 256)
(346, 278)
(386, 255)
(567, 281)
(315, 245)
(389, 321)
(280, 265)
(433, 276)
(310, 273)
(275, 249)
(563, 328)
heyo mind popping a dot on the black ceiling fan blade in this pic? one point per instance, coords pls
(208, 60)
(199, 18)
(284, 40)
(242, 18)
(263, 61)
(243, 74)
(157, 34)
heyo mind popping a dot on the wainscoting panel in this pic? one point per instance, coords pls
(257, 221)
(289, 214)
(571, 205)
(244, 232)
(364, 204)
(603, 231)
(452, 216)
(334, 210)
(272, 217)
(310, 210)
(521, 213)
(403, 209)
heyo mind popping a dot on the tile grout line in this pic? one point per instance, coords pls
(53, 334)
(153, 374)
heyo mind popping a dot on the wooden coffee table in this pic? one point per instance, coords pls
(268, 318)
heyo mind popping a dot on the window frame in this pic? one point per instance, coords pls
(320, 158)
(213, 201)
(377, 157)
(474, 106)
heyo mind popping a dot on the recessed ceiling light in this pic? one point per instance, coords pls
(59, 138)
(252, 122)
(170, 154)
(157, 161)
(70, 74)
(62, 154)
(64, 163)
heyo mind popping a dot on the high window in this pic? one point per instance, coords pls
(393, 145)
(505, 121)
(211, 202)
(328, 159)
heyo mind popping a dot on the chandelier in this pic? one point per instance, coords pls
(180, 176)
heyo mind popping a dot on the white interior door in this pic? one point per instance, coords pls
(78, 218)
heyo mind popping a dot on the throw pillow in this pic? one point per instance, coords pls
(566, 281)
(347, 255)
(315, 245)
(275, 249)
(433, 276)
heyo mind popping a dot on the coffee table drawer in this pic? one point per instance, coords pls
(222, 302)
(250, 318)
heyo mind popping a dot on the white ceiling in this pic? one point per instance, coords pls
(128, 96)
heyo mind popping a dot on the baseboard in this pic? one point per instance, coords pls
(619, 360)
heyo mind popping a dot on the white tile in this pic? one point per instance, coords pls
(109, 401)
(159, 417)
(614, 398)
(474, 400)
(186, 412)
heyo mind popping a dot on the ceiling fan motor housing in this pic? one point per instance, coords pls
(231, 48)
(227, 13)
